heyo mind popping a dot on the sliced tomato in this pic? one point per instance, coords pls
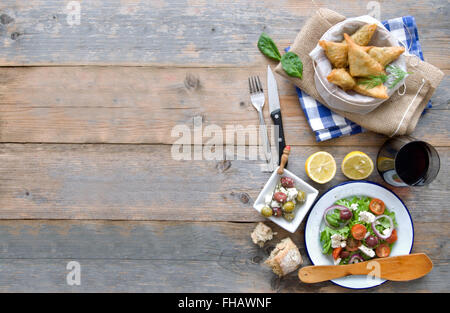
(359, 231)
(377, 206)
(352, 244)
(383, 250)
(336, 252)
(393, 237)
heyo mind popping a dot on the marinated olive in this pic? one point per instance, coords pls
(289, 216)
(266, 211)
(345, 214)
(277, 212)
(288, 207)
(344, 254)
(371, 241)
(287, 182)
(280, 197)
(301, 196)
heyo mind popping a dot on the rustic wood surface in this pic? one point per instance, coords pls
(86, 173)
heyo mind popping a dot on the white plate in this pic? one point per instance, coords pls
(301, 210)
(314, 224)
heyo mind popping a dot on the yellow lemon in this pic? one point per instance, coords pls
(357, 165)
(320, 167)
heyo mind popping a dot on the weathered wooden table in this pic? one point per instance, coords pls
(86, 111)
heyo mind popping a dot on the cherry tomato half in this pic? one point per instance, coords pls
(352, 244)
(359, 231)
(336, 252)
(377, 206)
(393, 237)
(383, 250)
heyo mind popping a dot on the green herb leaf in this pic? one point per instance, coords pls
(372, 81)
(292, 64)
(268, 47)
(396, 75)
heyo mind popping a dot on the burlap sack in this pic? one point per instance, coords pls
(396, 116)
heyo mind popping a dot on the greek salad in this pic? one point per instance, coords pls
(283, 201)
(358, 229)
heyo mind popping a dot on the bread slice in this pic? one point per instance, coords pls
(261, 234)
(285, 258)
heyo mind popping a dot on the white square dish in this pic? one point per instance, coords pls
(301, 210)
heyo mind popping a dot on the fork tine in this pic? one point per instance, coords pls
(259, 84)
(255, 88)
(250, 85)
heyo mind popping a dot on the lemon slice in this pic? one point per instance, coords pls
(357, 165)
(320, 167)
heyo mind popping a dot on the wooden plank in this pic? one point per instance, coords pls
(171, 256)
(183, 32)
(143, 105)
(143, 182)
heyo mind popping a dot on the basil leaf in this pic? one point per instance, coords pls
(292, 64)
(268, 47)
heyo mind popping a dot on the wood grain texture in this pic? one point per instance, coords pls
(143, 182)
(172, 256)
(143, 105)
(206, 33)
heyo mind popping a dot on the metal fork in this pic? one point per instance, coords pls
(258, 100)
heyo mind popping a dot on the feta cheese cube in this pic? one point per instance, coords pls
(336, 240)
(366, 217)
(367, 251)
(275, 204)
(337, 261)
(291, 194)
(386, 231)
(354, 206)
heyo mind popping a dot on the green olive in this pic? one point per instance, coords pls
(288, 207)
(266, 211)
(289, 216)
(301, 196)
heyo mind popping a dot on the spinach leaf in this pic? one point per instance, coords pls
(268, 47)
(292, 64)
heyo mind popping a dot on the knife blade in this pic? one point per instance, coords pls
(275, 111)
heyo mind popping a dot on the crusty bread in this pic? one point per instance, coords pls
(261, 234)
(285, 258)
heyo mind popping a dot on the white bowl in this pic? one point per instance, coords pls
(301, 210)
(314, 224)
(350, 101)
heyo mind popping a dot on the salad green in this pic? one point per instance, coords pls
(358, 228)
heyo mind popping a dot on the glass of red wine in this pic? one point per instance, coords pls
(405, 161)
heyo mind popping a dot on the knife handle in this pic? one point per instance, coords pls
(276, 117)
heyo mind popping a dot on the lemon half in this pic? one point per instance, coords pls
(357, 165)
(320, 167)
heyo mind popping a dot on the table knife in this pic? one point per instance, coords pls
(275, 112)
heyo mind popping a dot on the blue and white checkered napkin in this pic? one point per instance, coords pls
(328, 125)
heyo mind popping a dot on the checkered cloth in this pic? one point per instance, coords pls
(328, 125)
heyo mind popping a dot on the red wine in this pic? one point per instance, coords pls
(412, 162)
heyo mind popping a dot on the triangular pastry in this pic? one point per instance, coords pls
(342, 78)
(385, 55)
(336, 52)
(379, 91)
(363, 35)
(361, 63)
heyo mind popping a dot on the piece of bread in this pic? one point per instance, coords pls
(285, 258)
(261, 234)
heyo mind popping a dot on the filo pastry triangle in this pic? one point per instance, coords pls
(337, 51)
(385, 55)
(379, 91)
(360, 62)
